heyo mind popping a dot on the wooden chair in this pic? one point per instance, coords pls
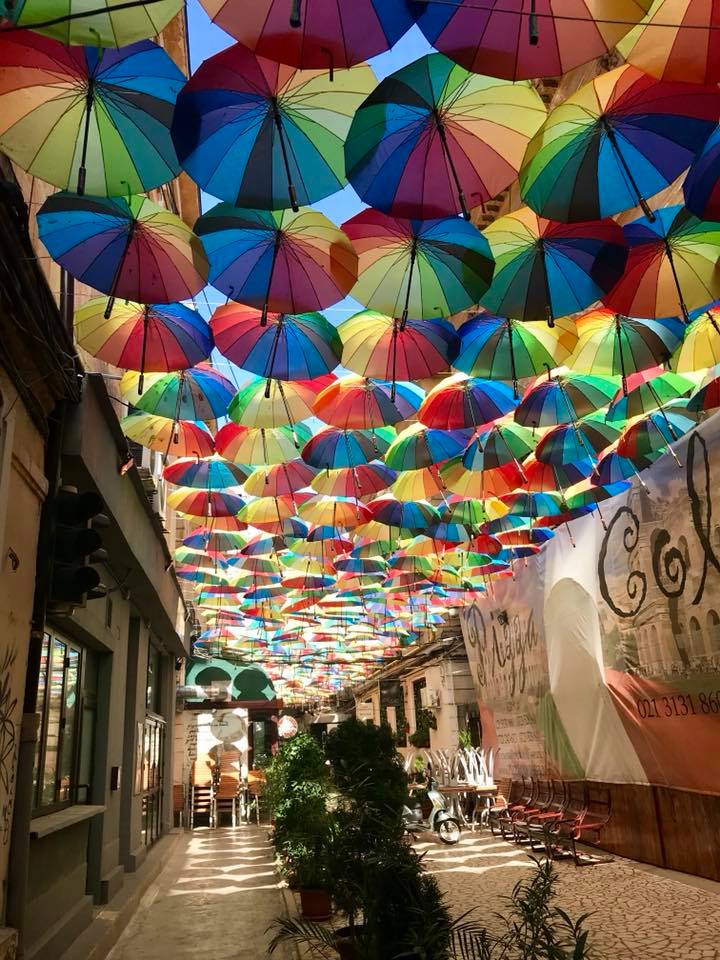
(542, 803)
(585, 825)
(179, 804)
(201, 793)
(255, 786)
(532, 827)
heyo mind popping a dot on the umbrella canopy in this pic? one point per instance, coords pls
(334, 511)
(647, 391)
(545, 270)
(281, 346)
(404, 514)
(564, 398)
(672, 265)
(481, 483)
(280, 480)
(611, 344)
(260, 446)
(262, 135)
(366, 479)
(542, 477)
(701, 188)
(418, 268)
(129, 248)
(200, 393)
(573, 443)
(107, 23)
(205, 503)
(275, 403)
(320, 34)
(375, 345)
(612, 468)
(433, 140)
(277, 260)
(701, 347)
(617, 140)
(214, 474)
(179, 438)
(420, 446)
(530, 39)
(148, 338)
(503, 443)
(334, 449)
(460, 403)
(85, 119)
(654, 432)
(356, 403)
(422, 484)
(707, 395)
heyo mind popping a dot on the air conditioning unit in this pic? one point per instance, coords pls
(430, 697)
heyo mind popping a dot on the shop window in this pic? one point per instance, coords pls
(152, 693)
(66, 703)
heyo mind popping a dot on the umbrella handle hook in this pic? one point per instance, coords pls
(295, 16)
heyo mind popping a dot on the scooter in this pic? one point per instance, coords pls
(439, 821)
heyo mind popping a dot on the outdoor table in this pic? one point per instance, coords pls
(458, 792)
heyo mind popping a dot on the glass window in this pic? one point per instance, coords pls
(42, 684)
(152, 695)
(53, 722)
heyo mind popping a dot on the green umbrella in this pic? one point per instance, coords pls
(647, 392)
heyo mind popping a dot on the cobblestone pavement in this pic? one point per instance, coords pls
(638, 914)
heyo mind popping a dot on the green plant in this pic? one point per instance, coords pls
(425, 721)
(366, 768)
(464, 740)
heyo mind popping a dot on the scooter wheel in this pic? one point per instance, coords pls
(449, 831)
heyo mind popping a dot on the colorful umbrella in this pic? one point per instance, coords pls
(286, 403)
(433, 140)
(535, 38)
(374, 345)
(646, 391)
(420, 446)
(88, 120)
(366, 479)
(701, 188)
(481, 483)
(262, 512)
(333, 448)
(152, 338)
(524, 504)
(460, 402)
(320, 34)
(419, 269)
(503, 443)
(544, 477)
(181, 438)
(612, 467)
(403, 514)
(671, 267)
(277, 346)
(107, 23)
(261, 446)
(280, 480)
(200, 393)
(545, 270)
(611, 344)
(564, 398)
(617, 140)
(338, 512)
(356, 403)
(262, 135)
(205, 503)
(215, 474)
(576, 442)
(707, 395)
(277, 260)
(128, 248)
(701, 347)
(654, 432)
(505, 349)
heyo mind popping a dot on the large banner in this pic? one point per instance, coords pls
(601, 658)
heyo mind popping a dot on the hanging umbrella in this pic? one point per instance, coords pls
(262, 135)
(505, 349)
(418, 268)
(374, 345)
(277, 346)
(701, 347)
(646, 391)
(433, 140)
(593, 495)
(654, 433)
(214, 474)
(564, 398)
(287, 402)
(277, 260)
(619, 139)
(545, 270)
(535, 38)
(612, 468)
(611, 344)
(261, 446)
(408, 515)
(263, 546)
(473, 513)
(503, 443)
(87, 119)
(338, 512)
(525, 504)
(107, 23)
(545, 477)
(701, 188)
(676, 41)
(366, 479)
(200, 393)
(151, 338)
(181, 438)
(356, 403)
(671, 267)
(265, 511)
(280, 480)
(205, 503)
(130, 248)
(319, 34)
(422, 484)
(576, 442)
(333, 449)
(420, 446)
(707, 396)
(481, 483)
(460, 402)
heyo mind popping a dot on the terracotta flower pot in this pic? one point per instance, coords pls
(344, 942)
(315, 904)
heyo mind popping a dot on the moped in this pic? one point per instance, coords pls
(439, 821)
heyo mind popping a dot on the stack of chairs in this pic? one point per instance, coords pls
(227, 788)
(201, 794)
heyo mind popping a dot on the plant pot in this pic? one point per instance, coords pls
(315, 904)
(345, 942)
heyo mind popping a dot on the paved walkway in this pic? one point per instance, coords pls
(214, 899)
(638, 912)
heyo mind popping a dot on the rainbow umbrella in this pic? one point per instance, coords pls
(420, 446)
(263, 546)
(286, 403)
(671, 267)
(333, 448)
(707, 396)
(260, 446)
(88, 120)
(129, 248)
(200, 393)
(213, 474)
(433, 140)
(422, 484)
(535, 38)
(150, 338)
(611, 344)
(527, 504)
(460, 403)
(339, 512)
(262, 135)
(545, 270)
(418, 268)
(701, 188)
(537, 536)
(577, 442)
(592, 495)
(612, 468)
(280, 480)
(504, 349)
(205, 503)
(701, 347)
(410, 515)
(564, 398)
(617, 140)
(654, 433)
(179, 438)
(319, 34)
(547, 477)
(646, 391)
(107, 23)
(357, 403)
(503, 443)
(277, 346)
(277, 260)
(471, 512)
(481, 483)
(267, 510)
(366, 479)
(676, 41)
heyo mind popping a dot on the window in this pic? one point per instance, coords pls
(152, 693)
(66, 703)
